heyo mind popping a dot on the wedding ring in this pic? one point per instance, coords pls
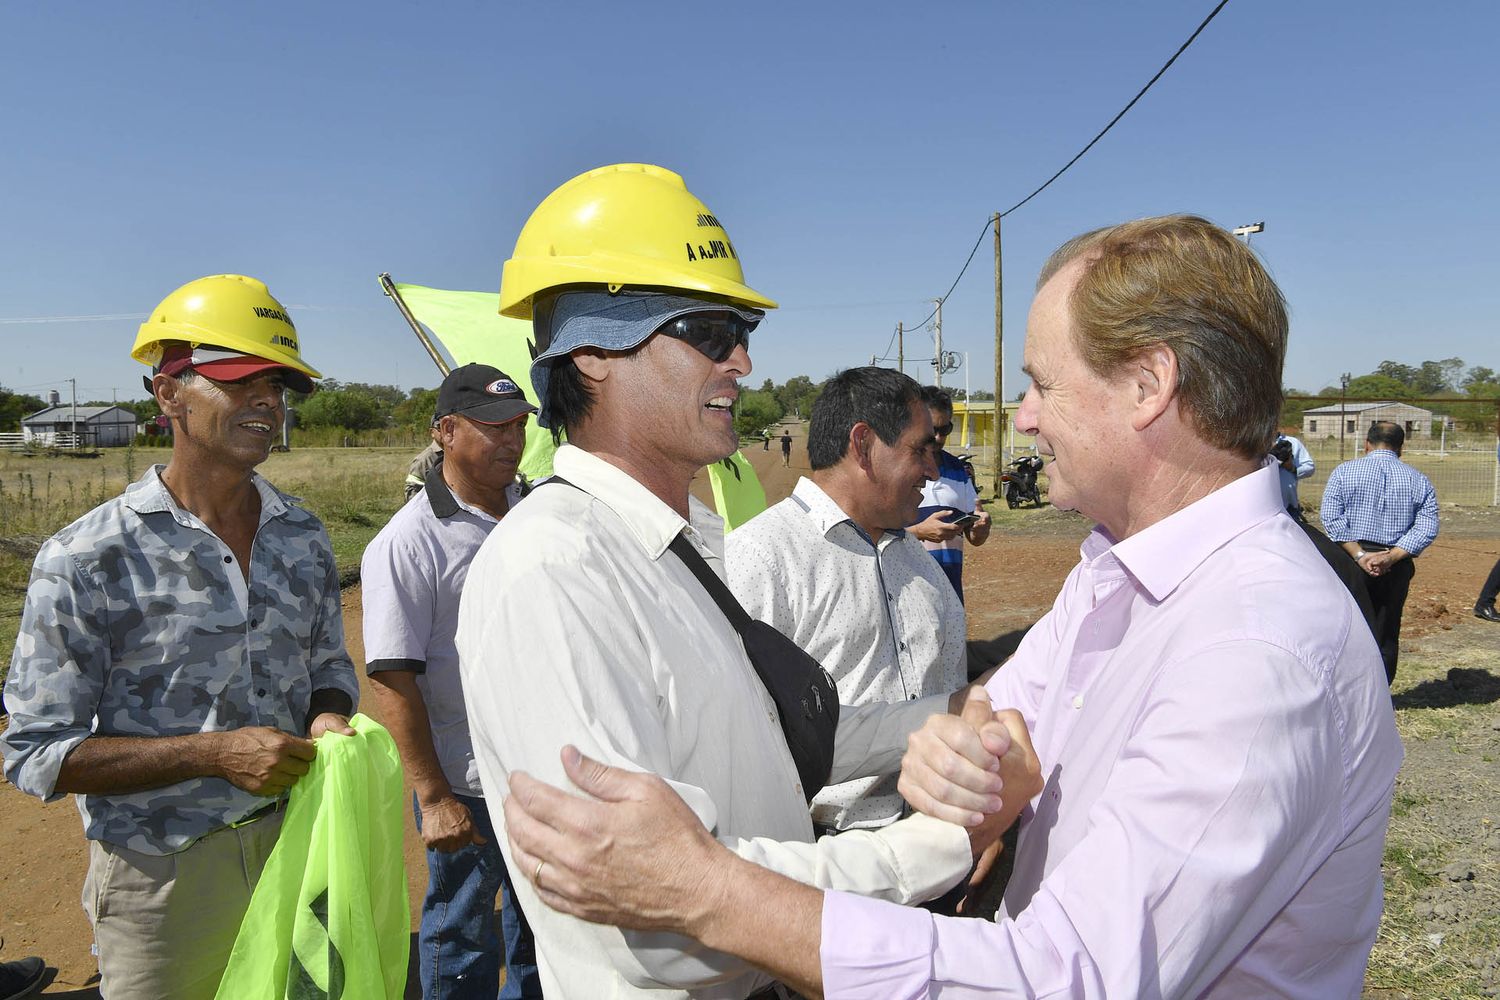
(536, 876)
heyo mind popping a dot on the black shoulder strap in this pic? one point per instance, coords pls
(723, 597)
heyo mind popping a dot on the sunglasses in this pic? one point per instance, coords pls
(713, 335)
(943, 430)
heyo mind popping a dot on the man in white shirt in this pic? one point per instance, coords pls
(832, 568)
(579, 626)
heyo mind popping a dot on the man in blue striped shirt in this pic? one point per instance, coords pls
(1384, 513)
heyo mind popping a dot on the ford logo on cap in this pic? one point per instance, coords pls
(501, 386)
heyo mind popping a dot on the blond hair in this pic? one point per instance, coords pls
(1182, 281)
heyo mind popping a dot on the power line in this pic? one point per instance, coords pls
(960, 277)
(1078, 156)
(1167, 65)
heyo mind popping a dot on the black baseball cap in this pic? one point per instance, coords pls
(481, 393)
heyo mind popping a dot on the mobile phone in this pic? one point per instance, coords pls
(963, 520)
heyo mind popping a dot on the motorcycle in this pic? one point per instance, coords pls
(967, 461)
(1020, 485)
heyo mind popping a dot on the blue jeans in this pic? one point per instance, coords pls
(459, 953)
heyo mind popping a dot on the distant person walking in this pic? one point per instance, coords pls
(786, 448)
(1384, 513)
(765, 437)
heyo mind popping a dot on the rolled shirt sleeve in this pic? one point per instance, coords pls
(56, 672)
(1331, 510)
(1424, 529)
(1302, 459)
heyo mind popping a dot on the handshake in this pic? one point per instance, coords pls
(974, 767)
(630, 851)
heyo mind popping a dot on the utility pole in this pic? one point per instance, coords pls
(937, 364)
(900, 349)
(73, 390)
(999, 355)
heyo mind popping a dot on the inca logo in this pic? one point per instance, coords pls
(708, 220)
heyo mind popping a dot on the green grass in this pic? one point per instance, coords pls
(354, 490)
(1431, 827)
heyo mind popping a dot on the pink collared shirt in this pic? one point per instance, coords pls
(1219, 750)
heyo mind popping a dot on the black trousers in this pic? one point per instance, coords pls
(1387, 599)
(1491, 588)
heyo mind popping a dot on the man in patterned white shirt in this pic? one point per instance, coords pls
(832, 568)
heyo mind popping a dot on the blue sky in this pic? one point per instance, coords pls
(853, 152)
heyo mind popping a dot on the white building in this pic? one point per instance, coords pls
(96, 426)
(1356, 416)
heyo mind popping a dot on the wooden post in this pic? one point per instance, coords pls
(999, 354)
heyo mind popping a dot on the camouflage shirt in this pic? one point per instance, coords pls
(137, 622)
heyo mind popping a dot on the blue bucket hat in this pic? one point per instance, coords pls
(611, 322)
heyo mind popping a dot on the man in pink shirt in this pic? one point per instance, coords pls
(1210, 713)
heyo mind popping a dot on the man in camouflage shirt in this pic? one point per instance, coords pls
(180, 647)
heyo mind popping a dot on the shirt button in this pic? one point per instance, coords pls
(254, 623)
(229, 559)
(1078, 701)
(261, 692)
(903, 645)
(911, 697)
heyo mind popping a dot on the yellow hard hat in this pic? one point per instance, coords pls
(231, 311)
(630, 225)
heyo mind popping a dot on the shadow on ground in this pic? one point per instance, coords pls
(1462, 686)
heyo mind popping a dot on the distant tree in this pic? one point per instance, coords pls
(349, 408)
(415, 411)
(1434, 377)
(14, 406)
(1405, 374)
(1379, 387)
(755, 411)
(387, 397)
(796, 395)
(1478, 376)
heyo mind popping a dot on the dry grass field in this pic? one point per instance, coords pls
(354, 491)
(1440, 939)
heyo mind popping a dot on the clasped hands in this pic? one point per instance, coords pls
(976, 768)
(631, 853)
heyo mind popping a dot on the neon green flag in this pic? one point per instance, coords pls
(471, 330)
(329, 917)
(737, 498)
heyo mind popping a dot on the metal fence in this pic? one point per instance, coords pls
(1463, 472)
(1451, 441)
